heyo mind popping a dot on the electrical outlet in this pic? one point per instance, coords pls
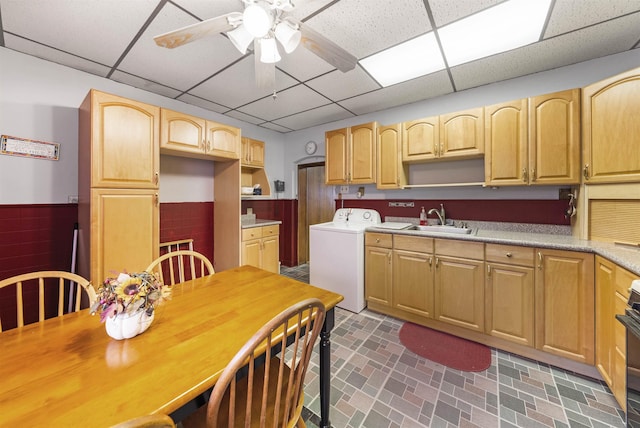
(73, 199)
(344, 189)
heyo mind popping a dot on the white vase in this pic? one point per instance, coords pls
(128, 325)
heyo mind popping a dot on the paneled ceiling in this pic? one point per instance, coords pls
(114, 39)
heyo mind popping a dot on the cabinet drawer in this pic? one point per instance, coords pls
(623, 281)
(251, 233)
(271, 230)
(378, 239)
(413, 243)
(463, 249)
(510, 254)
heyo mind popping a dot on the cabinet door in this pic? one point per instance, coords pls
(605, 292)
(362, 153)
(251, 252)
(611, 129)
(554, 138)
(413, 282)
(124, 143)
(391, 172)
(125, 227)
(506, 158)
(461, 134)
(510, 303)
(378, 275)
(223, 141)
(252, 152)
(336, 148)
(420, 139)
(565, 304)
(181, 133)
(459, 292)
(270, 254)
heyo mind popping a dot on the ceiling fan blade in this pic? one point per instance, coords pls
(325, 48)
(187, 34)
(265, 72)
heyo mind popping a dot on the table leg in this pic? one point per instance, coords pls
(325, 368)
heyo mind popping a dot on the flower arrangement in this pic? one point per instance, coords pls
(128, 293)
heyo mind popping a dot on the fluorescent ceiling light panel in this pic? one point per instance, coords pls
(506, 26)
(411, 59)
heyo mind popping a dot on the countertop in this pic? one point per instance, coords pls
(626, 256)
(259, 222)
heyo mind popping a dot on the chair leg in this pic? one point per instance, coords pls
(301, 423)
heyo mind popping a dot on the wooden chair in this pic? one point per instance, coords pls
(147, 421)
(182, 244)
(174, 264)
(271, 394)
(47, 279)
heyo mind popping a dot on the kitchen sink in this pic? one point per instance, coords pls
(443, 229)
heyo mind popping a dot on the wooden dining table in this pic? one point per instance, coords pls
(67, 371)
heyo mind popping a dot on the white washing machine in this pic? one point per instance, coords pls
(336, 255)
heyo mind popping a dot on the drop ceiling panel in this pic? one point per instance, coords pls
(84, 28)
(205, 104)
(235, 86)
(364, 27)
(182, 67)
(54, 55)
(447, 11)
(320, 115)
(205, 9)
(338, 85)
(569, 15)
(556, 52)
(303, 65)
(414, 90)
(275, 127)
(288, 102)
(244, 117)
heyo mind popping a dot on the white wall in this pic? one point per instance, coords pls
(573, 76)
(39, 100)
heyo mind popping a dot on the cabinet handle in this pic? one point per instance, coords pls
(539, 260)
(524, 175)
(533, 174)
(437, 262)
(585, 171)
(157, 199)
(377, 240)
(156, 178)
(203, 146)
(488, 270)
(430, 262)
(208, 147)
(389, 258)
(509, 255)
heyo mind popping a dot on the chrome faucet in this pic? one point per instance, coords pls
(439, 213)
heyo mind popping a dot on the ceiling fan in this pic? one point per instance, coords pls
(263, 22)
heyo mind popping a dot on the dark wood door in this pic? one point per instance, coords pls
(315, 204)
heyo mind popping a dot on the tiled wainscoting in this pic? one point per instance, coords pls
(378, 383)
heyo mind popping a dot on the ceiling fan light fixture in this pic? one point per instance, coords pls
(240, 38)
(257, 20)
(269, 50)
(288, 36)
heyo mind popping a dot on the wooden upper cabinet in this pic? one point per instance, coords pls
(611, 129)
(420, 139)
(181, 132)
(252, 152)
(351, 155)
(336, 146)
(461, 134)
(392, 174)
(222, 141)
(506, 156)
(554, 138)
(362, 154)
(191, 136)
(124, 142)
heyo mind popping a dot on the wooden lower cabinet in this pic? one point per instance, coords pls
(612, 294)
(565, 304)
(413, 270)
(509, 293)
(261, 247)
(378, 272)
(459, 283)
